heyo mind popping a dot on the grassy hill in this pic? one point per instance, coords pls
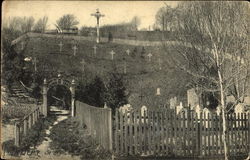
(143, 77)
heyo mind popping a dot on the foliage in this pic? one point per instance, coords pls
(92, 93)
(34, 136)
(69, 136)
(67, 21)
(41, 25)
(115, 95)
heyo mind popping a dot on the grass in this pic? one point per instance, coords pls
(33, 138)
(70, 137)
(142, 76)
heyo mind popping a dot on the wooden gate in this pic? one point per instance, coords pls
(164, 133)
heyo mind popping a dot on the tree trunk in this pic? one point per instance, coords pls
(224, 127)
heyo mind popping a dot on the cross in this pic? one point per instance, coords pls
(34, 62)
(74, 48)
(83, 63)
(98, 15)
(128, 52)
(95, 49)
(22, 43)
(159, 61)
(112, 54)
(60, 45)
(149, 57)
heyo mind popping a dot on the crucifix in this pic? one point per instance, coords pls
(22, 43)
(98, 15)
(112, 54)
(83, 63)
(159, 62)
(128, 52)
(34, 62)
(149, 57)
(74, 48)
(60, 45)
(95, 50)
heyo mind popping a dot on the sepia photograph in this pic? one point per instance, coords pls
(125, 80)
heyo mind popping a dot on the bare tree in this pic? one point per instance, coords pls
(212, 46)
(41, 24)
(165, 18)
(67, 21)
(135, 22)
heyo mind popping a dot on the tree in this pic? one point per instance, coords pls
(67, 21)
(135, 22)
(20, 24)
(212, 46)
(27, 24)
(166, 18)
(41, 24)
(115, 95)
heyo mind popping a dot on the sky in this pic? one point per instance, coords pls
(114, 11)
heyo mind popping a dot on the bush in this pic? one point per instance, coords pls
(33, 138)
(68, 136)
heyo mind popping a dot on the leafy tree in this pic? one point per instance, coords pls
(135, 22)
(115, 95)
(67, 21)
(41, 24)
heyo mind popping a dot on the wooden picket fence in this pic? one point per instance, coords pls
(23, 125)
(164, 133)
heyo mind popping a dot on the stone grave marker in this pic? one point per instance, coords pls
(192, 98)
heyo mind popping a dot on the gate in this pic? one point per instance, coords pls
(167, 134)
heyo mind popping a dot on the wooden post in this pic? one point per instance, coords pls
(110, 129)
(117, 131)
(17, 134)
(25, 126)
(45, 109)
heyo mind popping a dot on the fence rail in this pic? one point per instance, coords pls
(23, 125)
(164, 133)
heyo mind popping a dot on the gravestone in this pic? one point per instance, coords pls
(239, 108)
(158, 91)
(144, 110)
(179, 108)
(173, 102)
(192, 98)
(218, 110)
(112, 55)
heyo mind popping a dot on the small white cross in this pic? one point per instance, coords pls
(22, 43)
(60, 45)
(83, 63)
(34, 62)
(159, 61)
(95, 50)
(149, 57)
(74, 48)
(128, 52)
(112, 54)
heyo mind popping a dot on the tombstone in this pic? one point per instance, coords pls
(239, 108)
(158, 91)
(198, 109)
(83, 65)
(112, 55)
(95, 50)
(218, 110)
(159, 63)
(173, 102)
(149, 57)
(230, 99)
(128, 52)
(192, 98)
(179, 108)
(205, 112)
(60, 45)
(144, 110)
(247, 100)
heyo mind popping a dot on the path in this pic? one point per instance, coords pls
(43, 149)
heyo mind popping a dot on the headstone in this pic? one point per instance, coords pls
(159, 63)
(144, 110)
(179, 108)
(239, 108)
(230, 99)
(112, 55)
(128, 52)
(74, 49)
(218, 110)
(192, 98)
(198, 109)
(125, 67)
(173, 102)
(158, 91)
(149, 57)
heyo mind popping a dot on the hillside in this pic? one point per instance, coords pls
(142, 76)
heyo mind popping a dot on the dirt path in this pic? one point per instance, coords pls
(43, 150)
